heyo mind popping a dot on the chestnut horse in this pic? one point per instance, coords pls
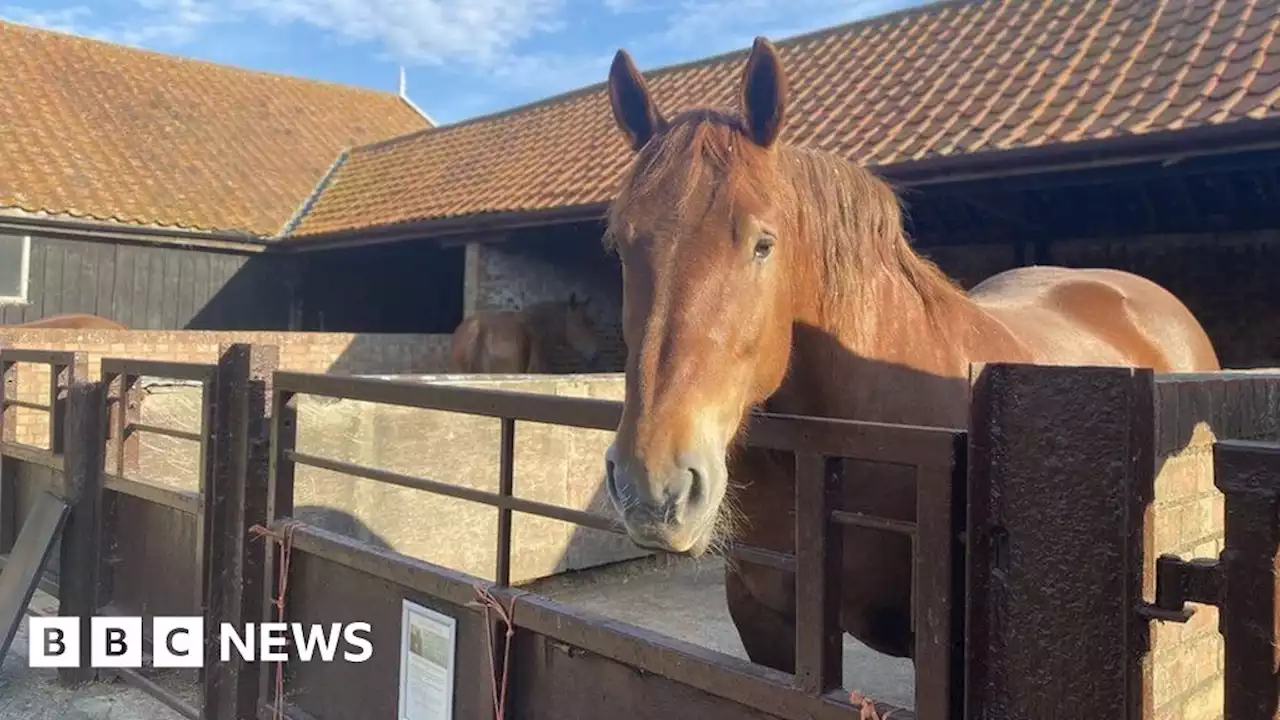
(518, 341)
(71, 321)
(757, 272)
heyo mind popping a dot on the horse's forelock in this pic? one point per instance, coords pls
(702, 158)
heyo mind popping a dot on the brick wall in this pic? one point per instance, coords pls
(337, 353)
(1187, 520)
(520, 271)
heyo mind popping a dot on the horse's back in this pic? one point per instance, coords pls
(1097, 316)
(73, 321)
(489, 343)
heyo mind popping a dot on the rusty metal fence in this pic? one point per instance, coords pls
(1056, 466)
(1242, 582)
(814, 690)
(43, 469)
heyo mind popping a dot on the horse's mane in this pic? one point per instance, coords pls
(854, 216)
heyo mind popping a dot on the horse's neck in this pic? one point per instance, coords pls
(890, 354)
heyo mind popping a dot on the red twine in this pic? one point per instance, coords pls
(285, 538)
(486, 600)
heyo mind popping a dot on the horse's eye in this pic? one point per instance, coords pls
(764, 246)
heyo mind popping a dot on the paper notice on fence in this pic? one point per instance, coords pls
(427, 644)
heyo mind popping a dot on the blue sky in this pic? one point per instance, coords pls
(462, 57)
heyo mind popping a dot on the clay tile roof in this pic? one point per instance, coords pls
(946, 79)
(100, 131)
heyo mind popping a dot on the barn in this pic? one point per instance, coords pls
(1130, 134)
(146, 188)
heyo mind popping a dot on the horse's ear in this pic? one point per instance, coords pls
(573, 300)
(764, 93)
(633, 107)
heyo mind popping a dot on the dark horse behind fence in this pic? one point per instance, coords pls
(520, 341)
(70, 321)
(759, 273)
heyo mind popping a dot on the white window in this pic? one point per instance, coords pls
(15, 263)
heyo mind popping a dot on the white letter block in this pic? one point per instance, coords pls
(177, 642)
(116, 642)
(53, 642)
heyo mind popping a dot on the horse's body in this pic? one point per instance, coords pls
(71, 321)
(518, 341)
(761, 274)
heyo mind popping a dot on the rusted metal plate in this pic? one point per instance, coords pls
(26, 562)
(1060, 465)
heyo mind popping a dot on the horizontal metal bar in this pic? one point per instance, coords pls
(785, 562)
(25, 404)
(912, 445)
(436, 487)
(873, 522)
(137, 680)
(180, 500)
(767, 690)
(877, 442)
(40, 357)
(723, 675)
(160, 430)
(532, 407)
(198, 372)
(450, 585)
(31, 454)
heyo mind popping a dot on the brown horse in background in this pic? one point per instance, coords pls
(71, 321)
(754, 271)
(518, 341)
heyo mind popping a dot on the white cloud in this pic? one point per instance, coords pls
(490, 44)
(476, 32)
(62, 20)
(141, 23)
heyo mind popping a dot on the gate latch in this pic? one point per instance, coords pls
(1179, 582)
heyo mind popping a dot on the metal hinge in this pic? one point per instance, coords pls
(1179, 582)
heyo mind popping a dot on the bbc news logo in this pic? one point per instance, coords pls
(178, 642)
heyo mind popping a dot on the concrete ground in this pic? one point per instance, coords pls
(34, 693)
(680, 598)
(684, 599)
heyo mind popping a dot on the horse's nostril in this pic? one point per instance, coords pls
(613, 485)
(696, 487)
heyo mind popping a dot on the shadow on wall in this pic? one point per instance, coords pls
(390, 354)
(340, 522)
(252, 295)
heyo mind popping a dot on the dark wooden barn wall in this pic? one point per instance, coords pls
(150, 287)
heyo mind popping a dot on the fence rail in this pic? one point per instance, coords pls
(817, 444)
(64, 369)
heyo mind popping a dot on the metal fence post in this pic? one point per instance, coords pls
(236, 500)
(1060, 468)
(79, 562)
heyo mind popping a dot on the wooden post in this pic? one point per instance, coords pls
(79, 562)
(236, 500)
(1060, 466)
